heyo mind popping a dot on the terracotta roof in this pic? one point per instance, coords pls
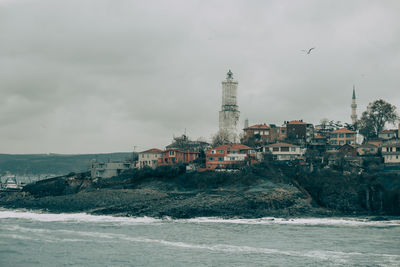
(258, 126)
(388, 131)
(317, 136)
(281, 144)
(153, 150)
(232, 146)
(296, 122)
(343, 130)
(179, 150)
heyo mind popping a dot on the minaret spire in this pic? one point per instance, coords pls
(354, 107)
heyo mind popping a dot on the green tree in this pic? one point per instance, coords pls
(373, 120)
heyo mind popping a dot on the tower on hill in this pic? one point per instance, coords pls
(229, 114)
(353, 107)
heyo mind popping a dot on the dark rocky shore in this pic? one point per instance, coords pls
(263, 191)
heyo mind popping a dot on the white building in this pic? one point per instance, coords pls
(284, 151)
(149, 158)
(391, 151)
(229, 114)
(109, 169)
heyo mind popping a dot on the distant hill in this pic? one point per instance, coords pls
(58, 164)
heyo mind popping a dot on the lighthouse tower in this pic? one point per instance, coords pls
(353, 107)
(229, 114)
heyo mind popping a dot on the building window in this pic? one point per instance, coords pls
(172, 152)
(211, 158)
(285, 149)
(341, 135)
(221, 151)
(275, 149)
(142, 156)
(220, 159)
(293, 149)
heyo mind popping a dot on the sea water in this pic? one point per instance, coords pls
(45, 239)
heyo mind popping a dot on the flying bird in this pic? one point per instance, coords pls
(308, 51)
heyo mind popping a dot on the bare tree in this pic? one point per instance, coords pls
(221, 138)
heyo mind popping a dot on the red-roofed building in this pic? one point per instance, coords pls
(175, 156)
(227, 156)
(256, 134)
(149, 158)
(342, 136)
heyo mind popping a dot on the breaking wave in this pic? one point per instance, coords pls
(84, 217)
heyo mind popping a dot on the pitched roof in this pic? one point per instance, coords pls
(281, 144)
(232, 146)
(343, 130)
(153, 150)
(258, 126)
(296, 122)
(388, 131)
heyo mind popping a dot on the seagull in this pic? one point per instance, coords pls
(308, 51)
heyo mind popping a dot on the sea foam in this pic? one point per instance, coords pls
(84, 217)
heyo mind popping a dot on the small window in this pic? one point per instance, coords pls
(220, 159)
(293, 149)
(211, 158)
(275, 149)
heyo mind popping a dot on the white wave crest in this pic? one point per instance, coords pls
(84, 217)
(73, 217)
(299, 221)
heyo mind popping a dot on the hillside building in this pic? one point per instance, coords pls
(109, 169)
(342, 136)
(149, 158)
(229, 156)
(284, 151)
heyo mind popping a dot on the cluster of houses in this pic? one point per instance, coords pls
(293, 141)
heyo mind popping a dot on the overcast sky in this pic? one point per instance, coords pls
(104, 76)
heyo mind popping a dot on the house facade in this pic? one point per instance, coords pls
(149, 158)
(257, 134)
(367, 150)
(284, 151)
(175, 156)
(341, 137)
(109, 169)
(227, 156)
(391, 151)
(299, 130)
(388, 134)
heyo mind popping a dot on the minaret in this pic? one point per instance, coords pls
(353, 107)
(229, 114)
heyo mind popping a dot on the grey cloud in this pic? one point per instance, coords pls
(97, 76)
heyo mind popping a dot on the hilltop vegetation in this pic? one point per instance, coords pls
(57, 164)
